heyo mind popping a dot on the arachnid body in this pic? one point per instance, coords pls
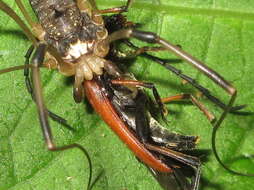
(30, 150)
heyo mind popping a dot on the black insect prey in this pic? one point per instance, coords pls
(74, 38)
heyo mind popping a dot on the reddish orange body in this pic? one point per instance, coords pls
(105, 109)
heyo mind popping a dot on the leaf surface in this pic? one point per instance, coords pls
(220, 33)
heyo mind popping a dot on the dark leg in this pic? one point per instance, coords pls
(37, 60)
(144, 134)
(175, 180)
(208, 114)
(150, 37)
(153, 38)
(147, 49)
(29, 88)
(5, 8)
(188, 79)
(146, 85)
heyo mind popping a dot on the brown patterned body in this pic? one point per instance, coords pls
(65, 25)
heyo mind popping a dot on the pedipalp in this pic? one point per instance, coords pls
(78, 48)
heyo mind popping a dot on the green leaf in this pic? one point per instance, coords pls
(220, 33)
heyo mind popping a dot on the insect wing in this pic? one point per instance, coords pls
(171, 181)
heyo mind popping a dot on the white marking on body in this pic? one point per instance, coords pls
(78, 49)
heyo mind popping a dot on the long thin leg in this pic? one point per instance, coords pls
(30, 90)
(97, 14)
(213, 75)
(166, 64)
(147, 49)
(37, 60)
(36, 27)
(150, 37)
(138, 51)
(93, 3)
(26, 72)
(89, 5)
(14, 68)
(5, 8)
(153, 38)
(208, 114)
(24, 12)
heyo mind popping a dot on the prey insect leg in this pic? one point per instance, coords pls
(150, 37)
(166, 64)
(153, 38)
(143, 132)
(146, 85)
(190, 97)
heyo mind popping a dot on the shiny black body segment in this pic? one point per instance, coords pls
(56, 37)
(132, 106)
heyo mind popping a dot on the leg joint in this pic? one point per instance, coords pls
(149, 37)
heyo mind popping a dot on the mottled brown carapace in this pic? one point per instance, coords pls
(75, 31)
(71, 36)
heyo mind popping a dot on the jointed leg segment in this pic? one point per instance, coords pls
(146, 85)
(25, 13)
(153, 38)
(208, 114)
(6, 9)
(213, 75)
(37, 60)
(30, 90)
